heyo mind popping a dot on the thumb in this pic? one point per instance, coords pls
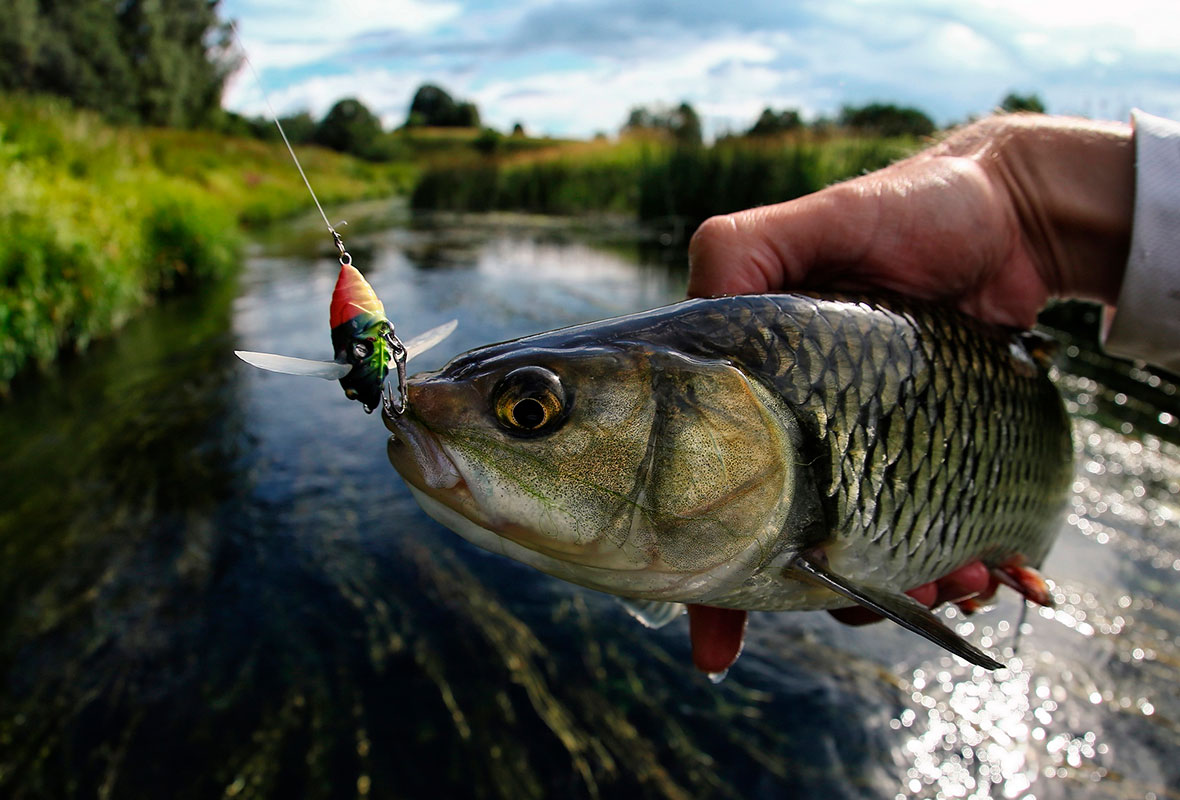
(776, 247)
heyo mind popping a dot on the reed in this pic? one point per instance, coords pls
(655, 179)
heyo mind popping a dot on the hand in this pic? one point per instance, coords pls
(968, 587)
(996, 219)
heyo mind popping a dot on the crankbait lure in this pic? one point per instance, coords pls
(366, 347)
(364, 343)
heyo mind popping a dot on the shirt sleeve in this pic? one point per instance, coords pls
(1146, 322)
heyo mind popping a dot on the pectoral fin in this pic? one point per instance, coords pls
(1025, 580)
(896, 606)
(651, 613)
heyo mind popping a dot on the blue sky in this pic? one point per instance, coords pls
(576, 67)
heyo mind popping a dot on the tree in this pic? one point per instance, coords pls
(686, 125)
(163, 62)
(771, 122)
(350, 127)
(300, 128)
(466, 116)
(1022, 102)
(434, 107)
(21, 41)
(682, 122)
(181, 55)
(887, 119)
(488, 141)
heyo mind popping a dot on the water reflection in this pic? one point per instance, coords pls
(218, 587)
(1087, 707)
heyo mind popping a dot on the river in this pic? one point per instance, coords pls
(214, 584)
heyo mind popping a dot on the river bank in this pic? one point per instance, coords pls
(96, 221)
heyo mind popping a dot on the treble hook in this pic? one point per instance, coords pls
(396, 406)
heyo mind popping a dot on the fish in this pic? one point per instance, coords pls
(751, 453)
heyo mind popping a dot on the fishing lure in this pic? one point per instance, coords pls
(363, 337)
(364, 342)
(366, 347)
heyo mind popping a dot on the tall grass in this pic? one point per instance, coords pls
(96, 221)
(654, 179)
(566, 179)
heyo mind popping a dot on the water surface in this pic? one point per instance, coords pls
(215, 585)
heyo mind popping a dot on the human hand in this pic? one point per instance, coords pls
(968, 587)
(996, 219)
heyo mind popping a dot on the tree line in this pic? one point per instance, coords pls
(165, 62)
(682, 124)
(156, 62)
(351, 127)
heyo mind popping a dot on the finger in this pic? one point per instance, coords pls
(925, 594)
(775, 247)
(967, 581)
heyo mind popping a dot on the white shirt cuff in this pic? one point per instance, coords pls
(1146, 322)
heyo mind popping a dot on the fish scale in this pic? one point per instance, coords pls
(895, 440)
(986, 434)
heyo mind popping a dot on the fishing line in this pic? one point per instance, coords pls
(345, 258)
(394, 405)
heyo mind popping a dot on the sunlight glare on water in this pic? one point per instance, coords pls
(1093, 687)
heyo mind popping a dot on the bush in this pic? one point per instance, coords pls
(96, 221)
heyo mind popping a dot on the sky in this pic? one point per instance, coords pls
(576, 67)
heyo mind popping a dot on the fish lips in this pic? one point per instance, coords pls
(418, 456)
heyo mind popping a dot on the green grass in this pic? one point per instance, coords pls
(654, 179)
(97, 221)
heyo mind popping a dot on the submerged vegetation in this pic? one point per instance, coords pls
(97, 220)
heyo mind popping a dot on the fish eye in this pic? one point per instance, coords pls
(362, 349)
(530, 401)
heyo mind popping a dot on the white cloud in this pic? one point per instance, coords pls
(336, 20)
(585, 63)
(385, 92)
(599, 99)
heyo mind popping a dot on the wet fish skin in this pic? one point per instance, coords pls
(934, 439)
(915, 439)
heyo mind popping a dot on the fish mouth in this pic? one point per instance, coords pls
(420, 459)
(442, 492)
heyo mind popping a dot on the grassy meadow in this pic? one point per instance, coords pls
(96, 220)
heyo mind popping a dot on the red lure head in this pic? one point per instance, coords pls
(361, 336)
(352, 296)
